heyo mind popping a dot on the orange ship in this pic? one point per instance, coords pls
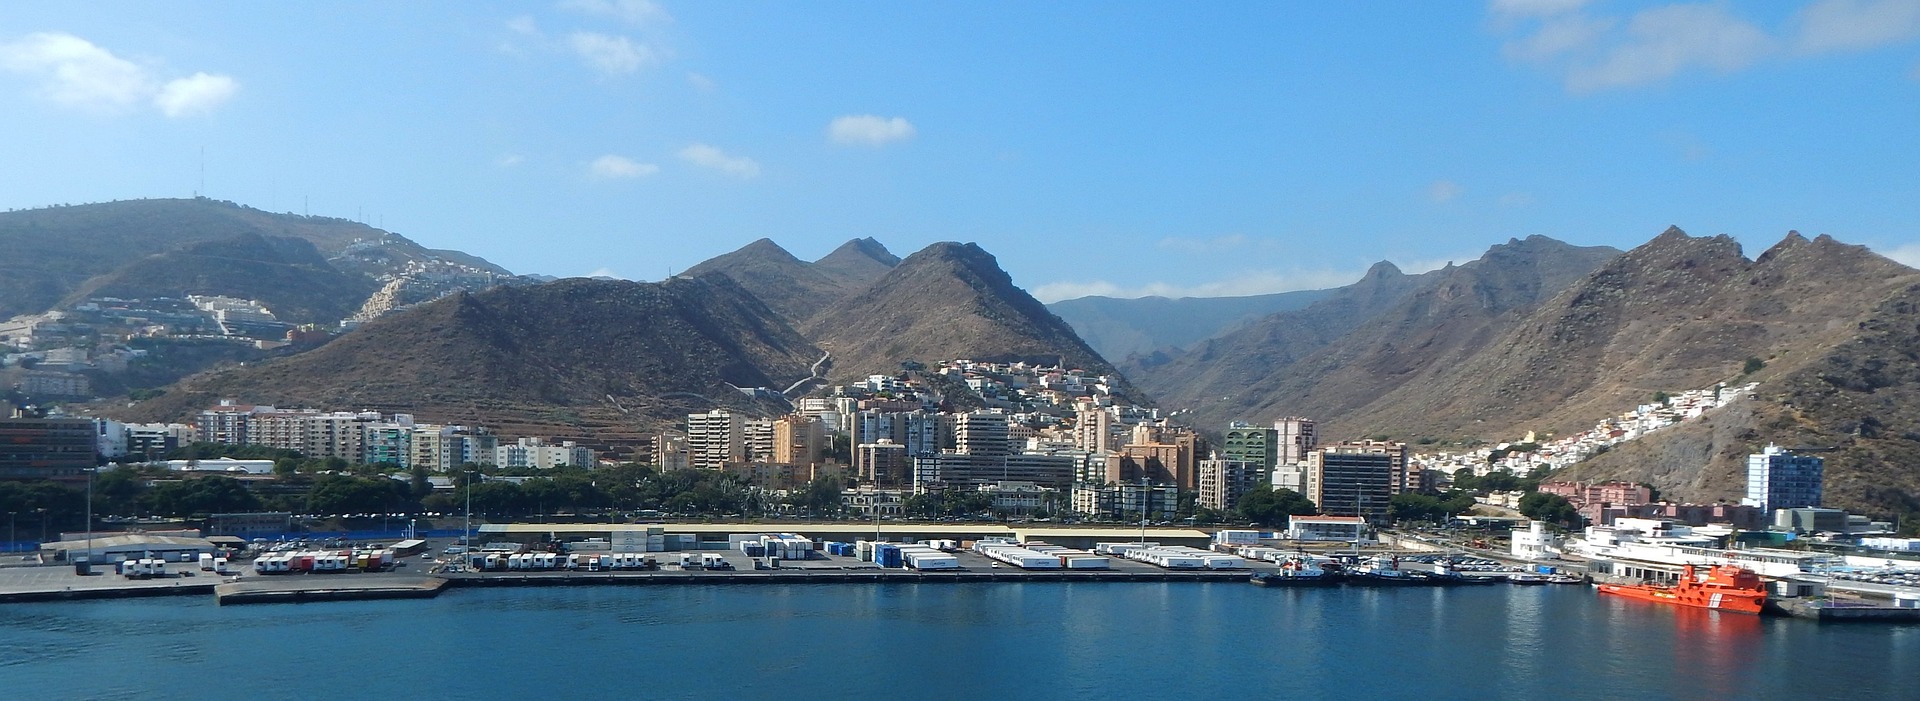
(1724, 588)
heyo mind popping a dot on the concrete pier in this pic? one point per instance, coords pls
(277, 590)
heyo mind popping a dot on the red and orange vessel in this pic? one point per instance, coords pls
(1722, 588)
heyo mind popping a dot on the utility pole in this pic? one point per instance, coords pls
(90, 472)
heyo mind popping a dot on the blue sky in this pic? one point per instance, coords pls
(1116, 148)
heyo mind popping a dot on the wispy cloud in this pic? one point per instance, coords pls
(1252, 283)
(606, 273)
(199, 93)
(611, 167)
(73, 72)
(1533, 8)
(717, 160)
(701, 82)
(1516, 199)
(1593, 51)
(508, 160)
(1443, 191)
(634, 12)
(1856, 25)
(869, 130)
(609, 54)
(1905, 254)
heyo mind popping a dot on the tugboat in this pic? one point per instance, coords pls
(1298, 572)
(1388, 574)
(1722, 588)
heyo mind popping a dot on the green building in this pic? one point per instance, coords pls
(1259, 445)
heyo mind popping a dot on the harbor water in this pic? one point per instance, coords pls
(943, 641)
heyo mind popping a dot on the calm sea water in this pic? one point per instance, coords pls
(999, 641)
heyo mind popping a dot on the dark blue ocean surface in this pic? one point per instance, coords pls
(1103, 642)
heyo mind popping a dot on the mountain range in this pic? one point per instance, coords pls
(1535, 335)
(325, 267)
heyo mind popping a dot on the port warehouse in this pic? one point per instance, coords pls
(715, 536)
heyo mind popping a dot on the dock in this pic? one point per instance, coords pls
(280, 590)
(816, 576)
(1848, 611)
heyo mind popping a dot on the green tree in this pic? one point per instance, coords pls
(201, 496)
(1753, 365)
(1551, 508)
(1271, 507)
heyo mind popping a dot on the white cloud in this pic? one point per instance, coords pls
(714, 159)
(199, 93)
(869, 130)
(1907, 254)
(605, 273)
(1592, 51)
(75, 72)
(609, 54)
(635, 12)
(1533, 8)
(1444, 191)
(1665, 41)
(524, 25)
(701, 82)
(610, 167)
(1856, 25)
(1254, 283)
(508, 160)
(1558, 37)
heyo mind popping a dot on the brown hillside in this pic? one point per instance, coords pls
(794, 288)
(1676, 313)
(605, 362)
(1339, 357)
(949, 300)
(1855, 403)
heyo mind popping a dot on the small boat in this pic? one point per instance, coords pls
(1378, 574)
(1564, 578)
(1721, 588)
(1527, 578)
(1298, 572)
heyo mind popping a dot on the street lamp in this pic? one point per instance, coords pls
(11, 540)
(466, 534)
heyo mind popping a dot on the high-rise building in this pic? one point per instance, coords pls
(715, 438)
(1296, 438)
(1224, 481)
(49, 449)
(981, 434)
(883, 464)
(1356, 479)
(1248, 443)
(1777, 479)
(798, 440)
(1093, 429)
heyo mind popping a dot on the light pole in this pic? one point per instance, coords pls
(43, 524)
(11, 539)
(90, 472)
(466, 534)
